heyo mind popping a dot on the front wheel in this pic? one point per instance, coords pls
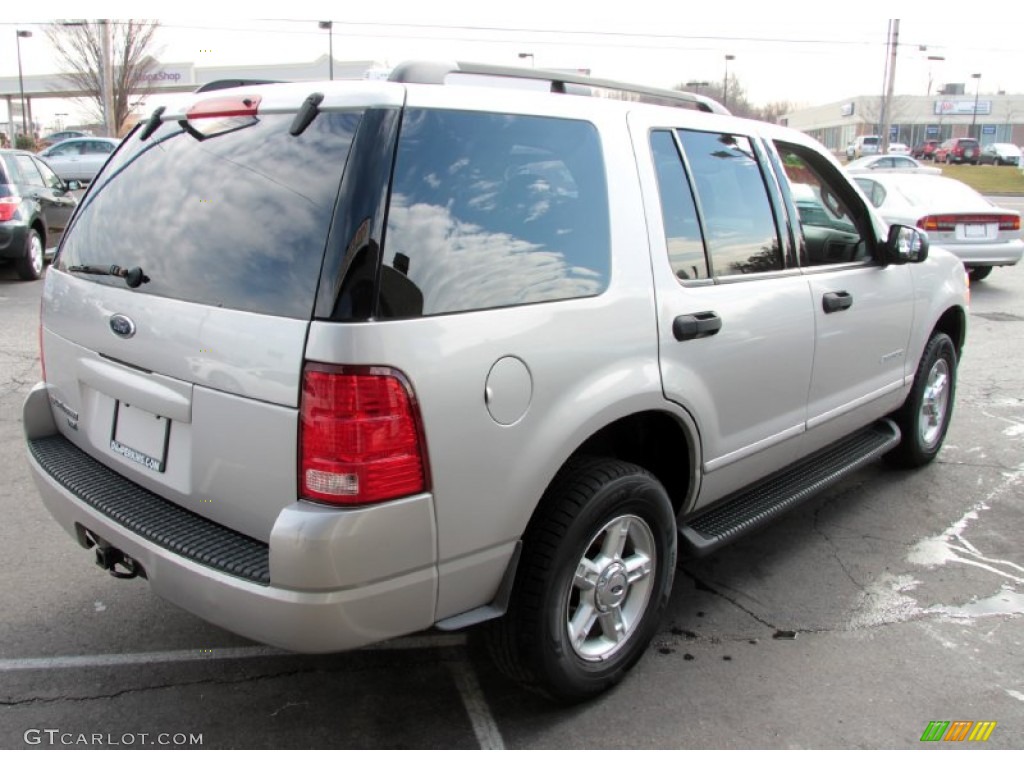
(924, 417)
(593, 582)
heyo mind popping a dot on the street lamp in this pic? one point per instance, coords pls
(931, 59)
(60, 120)
(21, 82)
(528, 56)
(977, 90)
(725, 87)
(697, 85)
(329, 26)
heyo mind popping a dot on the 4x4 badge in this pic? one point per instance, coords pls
(122, 326)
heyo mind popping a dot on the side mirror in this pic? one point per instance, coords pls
(906, 244)
(74, 185)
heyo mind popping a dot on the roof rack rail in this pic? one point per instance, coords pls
(219, 85)
(435, 73)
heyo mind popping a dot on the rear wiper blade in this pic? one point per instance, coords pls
(134, 276)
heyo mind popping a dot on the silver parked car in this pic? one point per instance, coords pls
(955, 217)
(79, 159)
(890, 164)
(330, 363)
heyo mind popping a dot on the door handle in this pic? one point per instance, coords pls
(696, 326)
(836, 302)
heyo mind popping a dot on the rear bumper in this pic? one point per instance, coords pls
(12, 240)
(337, 580)
(987, 254)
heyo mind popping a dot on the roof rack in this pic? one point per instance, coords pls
(219, 85)
(435, 73)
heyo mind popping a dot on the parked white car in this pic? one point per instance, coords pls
(955, 217)
(890, 163)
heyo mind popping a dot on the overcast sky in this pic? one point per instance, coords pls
(806, 53)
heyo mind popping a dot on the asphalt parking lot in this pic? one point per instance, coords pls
(893, 600)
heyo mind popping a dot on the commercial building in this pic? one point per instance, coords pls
(989, 118)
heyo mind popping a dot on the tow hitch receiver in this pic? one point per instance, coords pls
(109, 558)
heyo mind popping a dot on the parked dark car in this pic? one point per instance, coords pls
(958, 151)
(1000, 154)
(926, 150)
(35, 206)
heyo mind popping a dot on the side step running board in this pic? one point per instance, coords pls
(751, 508)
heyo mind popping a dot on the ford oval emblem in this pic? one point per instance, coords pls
(122, 326)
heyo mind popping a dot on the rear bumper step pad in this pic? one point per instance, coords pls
(755, 506)
(147, 515)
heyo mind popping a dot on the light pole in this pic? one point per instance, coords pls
(528, 56)
(977, 90)
(21, 81)
(725, 86)
(60, 120)
(931, 59)
(329, 26)
(697, 85)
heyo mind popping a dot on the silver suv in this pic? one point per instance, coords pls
(332, 363)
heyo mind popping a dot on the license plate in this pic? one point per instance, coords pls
(975, 230)
(140, 436)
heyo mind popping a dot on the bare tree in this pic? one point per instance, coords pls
(739, 104)
(79, 46)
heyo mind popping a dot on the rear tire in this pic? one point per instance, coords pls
(924, 417)
(978, 273)
(593, 582)
(30, 265)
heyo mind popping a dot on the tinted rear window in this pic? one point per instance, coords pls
(493, 210)
(239, 219)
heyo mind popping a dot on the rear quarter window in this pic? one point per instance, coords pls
(493, 210)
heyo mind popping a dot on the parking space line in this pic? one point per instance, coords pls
(484, 726)
(211, 654)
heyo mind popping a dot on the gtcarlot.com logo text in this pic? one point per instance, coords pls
(54, 737)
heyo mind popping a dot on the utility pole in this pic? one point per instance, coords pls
(107, 79)
(894, 41)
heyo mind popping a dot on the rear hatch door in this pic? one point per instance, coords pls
(188, 382)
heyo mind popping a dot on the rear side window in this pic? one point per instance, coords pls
(236, 219)
(493, 210)
(682, 230)
(739, 223)
(28, 171)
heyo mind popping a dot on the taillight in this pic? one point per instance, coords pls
(937, 223)
(9, 207)
(360, 437)
(948, 222)
(1009, 221)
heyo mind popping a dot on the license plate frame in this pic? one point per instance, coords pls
(140, 436)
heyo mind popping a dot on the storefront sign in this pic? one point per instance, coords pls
(964, 107)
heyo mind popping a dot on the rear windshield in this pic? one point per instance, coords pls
(968, 143)
(237, 218)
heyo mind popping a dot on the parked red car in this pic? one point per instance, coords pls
(958, 151)
(926, 149)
